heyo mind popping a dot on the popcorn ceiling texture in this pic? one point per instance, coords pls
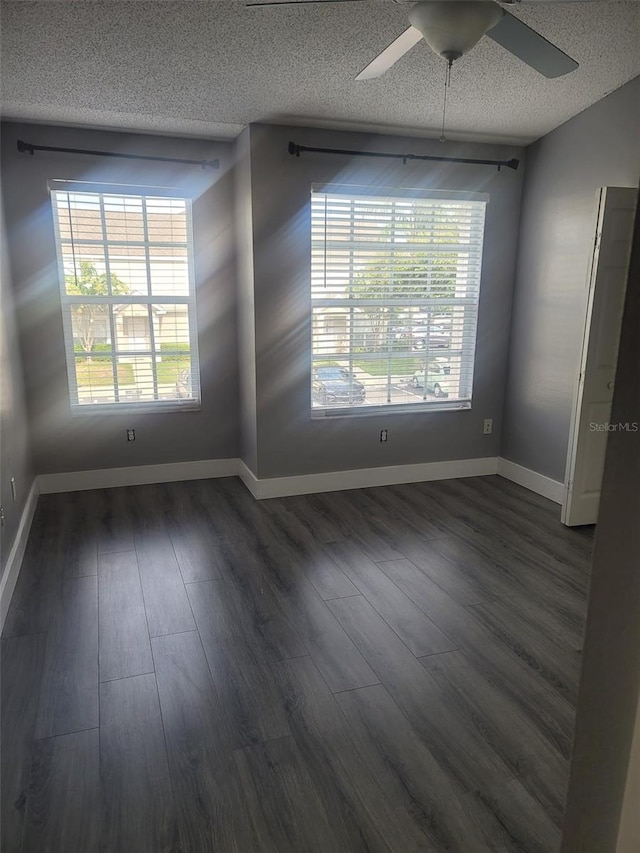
(209, 68)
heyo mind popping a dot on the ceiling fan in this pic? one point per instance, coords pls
(452, 28)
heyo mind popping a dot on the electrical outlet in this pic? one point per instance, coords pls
(383, 434)
(131, 435)
(487, 427)
(13, 489)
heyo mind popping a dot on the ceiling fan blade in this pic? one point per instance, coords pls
(529, 46)
(390, 55)
(298, 3)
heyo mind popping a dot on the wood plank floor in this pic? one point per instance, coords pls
(386, 670)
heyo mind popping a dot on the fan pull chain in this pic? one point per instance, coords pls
(447, 84)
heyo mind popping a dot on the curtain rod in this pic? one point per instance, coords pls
(296, 150)
(28, 147)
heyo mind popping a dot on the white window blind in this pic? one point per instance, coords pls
(127, 291)
(395, 282)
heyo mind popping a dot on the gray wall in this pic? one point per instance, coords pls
(599, 147)
(288, 441)
(15, 457)
(62, 442)
(629, 830)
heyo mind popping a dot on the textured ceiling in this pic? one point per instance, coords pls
(210, 68)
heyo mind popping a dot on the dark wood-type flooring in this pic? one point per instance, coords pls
(185, 669)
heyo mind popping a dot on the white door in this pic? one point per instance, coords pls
(590, 424)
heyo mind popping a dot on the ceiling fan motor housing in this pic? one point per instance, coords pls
(452, 27)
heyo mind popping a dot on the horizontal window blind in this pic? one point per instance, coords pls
(128, 302)
(395, 283)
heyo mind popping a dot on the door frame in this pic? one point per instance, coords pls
(578, 388)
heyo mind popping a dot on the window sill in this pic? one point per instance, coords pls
(322, 413)
(154, 408)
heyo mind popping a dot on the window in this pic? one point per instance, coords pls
(125, 262)
(395, 281)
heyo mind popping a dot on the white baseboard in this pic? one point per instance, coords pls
(140, 475)
(545, 486)
(16, 554)
(248, 477)
(361, 478)
(302, 484)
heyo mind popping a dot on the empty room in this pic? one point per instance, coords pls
(320, 426)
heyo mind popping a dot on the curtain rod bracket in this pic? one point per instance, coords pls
(24, 146)
(28, 147)
(296, 150)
